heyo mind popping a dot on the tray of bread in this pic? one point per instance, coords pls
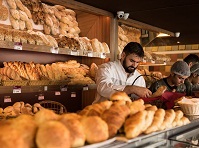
(96, 125)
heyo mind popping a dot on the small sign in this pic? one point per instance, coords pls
(74, 52)
(63, 88)
(54, 50)
(7, 99)
(41, 97)
(57, 93)
(90, 54)
(16, 89)
(85, 88)
(45, 88)
(18, 46)
(73, 95)
(103, 55)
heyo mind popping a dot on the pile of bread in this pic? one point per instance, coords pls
(127, 34)
(55, 25)
(19, 108)
(95, 123)
(70, 70)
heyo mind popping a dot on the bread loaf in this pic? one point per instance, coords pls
(120, 95)
(12, 74)
(168, 119)
(177, 121)
(53, 134)
(159, 91)
(95, 129)
(136, 106)
(157, 121)
(134, 124)
(76, 130)
(115, 117)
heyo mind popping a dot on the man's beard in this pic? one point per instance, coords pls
(129, 69)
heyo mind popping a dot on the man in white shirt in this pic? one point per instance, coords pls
(122, 75)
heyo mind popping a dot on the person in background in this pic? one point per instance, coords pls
(122, 75)
(193, 80)
(191, 59)
(178, 73)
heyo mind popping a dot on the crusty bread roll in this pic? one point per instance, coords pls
(95, 129)
(53, 134)
(11, 4)
(157, 121)
(76, 130)
(45, 115)
(4, 13)
(159, 91)
(12, 74)
(134, 124)
(93, 70)
(120, 95)
(177, 121)
(15, 14)
(115, 117)
(136, 106)
(168, 119)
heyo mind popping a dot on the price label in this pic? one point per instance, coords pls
(16, 89)
(45, 88)
(54, 50)
(103, 55)
(73, 95)
(63, 88)
(7, 99)
(85, 88)
(18, 46)
(41, 97)
(74, 52)
(152, 61)
(57, 93)
(90, 54)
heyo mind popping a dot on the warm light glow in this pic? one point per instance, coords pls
(162, 35)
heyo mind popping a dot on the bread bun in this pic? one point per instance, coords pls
(95, 129)
(120, 95)
(52, 134)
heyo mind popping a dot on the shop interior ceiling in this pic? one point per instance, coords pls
(172, 15)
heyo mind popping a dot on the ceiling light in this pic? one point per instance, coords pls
(162, 35)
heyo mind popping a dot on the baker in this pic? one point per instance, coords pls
(122, 75)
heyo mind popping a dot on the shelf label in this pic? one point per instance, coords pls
(74, 52)
(73, 95)
(57, 93)
(63, 88)
(103, 55)
(45, 88)
(18, 46)
(85, 88)
(16, 89)
(7, 99)
(41, 97)
(90, 54)
(54, 50)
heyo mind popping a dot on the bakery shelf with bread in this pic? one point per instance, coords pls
(71, 72)
(96, 123)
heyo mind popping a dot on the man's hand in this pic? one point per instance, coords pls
(137, 90)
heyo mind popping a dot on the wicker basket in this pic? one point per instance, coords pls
(38, 82)
(53, 105)
(14, 82)
(189, 108)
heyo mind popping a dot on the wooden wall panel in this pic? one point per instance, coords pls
(93, 26)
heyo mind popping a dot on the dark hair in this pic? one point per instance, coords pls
(191, 58)
(134, 47)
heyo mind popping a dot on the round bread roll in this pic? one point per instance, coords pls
(76, 130)
(95, 129)
(52, 134)
(120, 95)
(45, 115)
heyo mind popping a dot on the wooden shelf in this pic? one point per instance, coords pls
(49, 88)
(48, 49)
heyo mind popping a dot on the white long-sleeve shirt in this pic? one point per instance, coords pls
(111, 77)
